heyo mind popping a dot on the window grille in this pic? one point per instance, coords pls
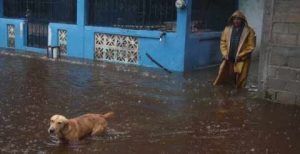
(42, 10)
(211, 15)
(133, 14)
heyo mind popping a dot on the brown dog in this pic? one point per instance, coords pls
(79, 127)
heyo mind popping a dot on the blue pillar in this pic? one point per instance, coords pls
(1, 8)
(81, 12)
(183, 19)
(183, 26)
(81, 21)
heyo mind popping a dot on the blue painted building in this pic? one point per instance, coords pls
(188, 42)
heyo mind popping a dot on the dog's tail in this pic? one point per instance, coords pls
(108, 115)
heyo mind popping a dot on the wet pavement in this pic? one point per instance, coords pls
(155, 112)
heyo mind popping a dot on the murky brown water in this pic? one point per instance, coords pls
(155, 112)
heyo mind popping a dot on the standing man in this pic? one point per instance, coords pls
(237, 44)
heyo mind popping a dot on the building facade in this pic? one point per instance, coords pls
(140, 32)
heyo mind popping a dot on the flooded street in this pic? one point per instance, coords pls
(155, 112)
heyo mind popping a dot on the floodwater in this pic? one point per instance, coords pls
(155, 112)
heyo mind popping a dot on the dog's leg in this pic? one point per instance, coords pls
(98, 130)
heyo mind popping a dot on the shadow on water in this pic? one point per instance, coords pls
(155, 112)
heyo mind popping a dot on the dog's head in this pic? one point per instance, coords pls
(57, 124)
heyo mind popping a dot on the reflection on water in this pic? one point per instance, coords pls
(155, 112)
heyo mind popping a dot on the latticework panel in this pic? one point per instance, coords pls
(11, 33)
(62, 41)
(116, 48)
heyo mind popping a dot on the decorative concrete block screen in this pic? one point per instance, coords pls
(116, 48)
(11, 36)
(62, 41)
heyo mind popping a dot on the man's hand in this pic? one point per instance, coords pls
(226, 57)
(238, 59)
(242, 58)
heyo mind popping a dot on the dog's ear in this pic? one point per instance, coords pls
(66, 124)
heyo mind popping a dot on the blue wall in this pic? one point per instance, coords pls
(19, 32)
(75, 38)
(169, 52)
